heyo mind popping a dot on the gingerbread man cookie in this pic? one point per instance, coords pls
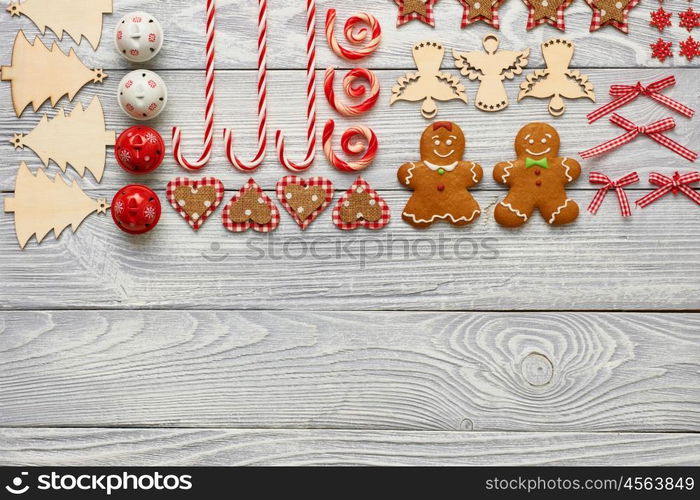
(537, 179)
(440, 179)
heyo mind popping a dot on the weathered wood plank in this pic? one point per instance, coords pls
(178, 447)
(183, 22)
(408, 371)
(490, 136)
(651, 261)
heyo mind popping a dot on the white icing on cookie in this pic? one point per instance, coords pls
(506, 173)
(475, 178)
(410, 173)
(442, 217)
(514, 210)
(567, 167)
(446, 168)
(558, 211)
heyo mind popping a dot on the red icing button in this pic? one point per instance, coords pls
(139, 150)
(440, 187)
(136, 209)
(538, 183)
(538, 171)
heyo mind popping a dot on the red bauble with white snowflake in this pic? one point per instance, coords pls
(136, 209)
(139, 150)
(138, 36)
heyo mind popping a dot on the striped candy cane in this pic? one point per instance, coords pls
(262, 100)
(354, 35)
(310, 97)
(352, 90)
(350, 147)
(209, 94)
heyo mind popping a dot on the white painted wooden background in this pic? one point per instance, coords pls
(575, 345)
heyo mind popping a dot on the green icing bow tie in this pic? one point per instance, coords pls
(529, 162)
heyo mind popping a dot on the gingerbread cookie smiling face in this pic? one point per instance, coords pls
(440, 179)
(442, 144)
(537, 179)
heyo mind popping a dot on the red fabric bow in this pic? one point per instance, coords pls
(679, 183)
(654, 131)
(608, 184)
(628, 93)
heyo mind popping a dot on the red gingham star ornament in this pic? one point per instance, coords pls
(612, 12)
(661, 50)
(660, 18)
(690, 48)
(481, 10)
(410, 10)
(546, 11)
(689, 19)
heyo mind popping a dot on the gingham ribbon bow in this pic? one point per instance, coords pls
(653, 131)
(628, 93)
(608, 184)
(679, 183)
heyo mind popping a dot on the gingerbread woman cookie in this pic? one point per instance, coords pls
(440, 179)
(537, 179)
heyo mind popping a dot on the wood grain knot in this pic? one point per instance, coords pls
(537, 369)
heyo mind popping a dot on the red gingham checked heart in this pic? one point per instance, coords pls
(608, 184)
(628, 93)
(429, 17)
(653, 131)
(292, 180)
(239, 227)
(360, 185)
(194, 221)
(677, 184)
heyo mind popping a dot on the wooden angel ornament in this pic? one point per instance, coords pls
(79, 139)
(491, 67)
(78, 18)
(38, 74)
(557, 81)
(428, 84)
(41, 204)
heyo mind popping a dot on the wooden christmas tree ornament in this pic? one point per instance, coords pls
(428, 84)
(41, 204)
(78, 139)
(78, 18)
(491, 68)
(557, 81)
(38, 74)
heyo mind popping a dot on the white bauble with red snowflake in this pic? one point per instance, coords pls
(142, 94)
(138, 36)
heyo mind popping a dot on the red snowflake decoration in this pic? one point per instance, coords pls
(689, 19)
(690, 48)
(660, 18)
(661, 50)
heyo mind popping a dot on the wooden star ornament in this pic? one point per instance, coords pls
(481, 10)
(612, 12)
(410, 10)
(546, 11)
